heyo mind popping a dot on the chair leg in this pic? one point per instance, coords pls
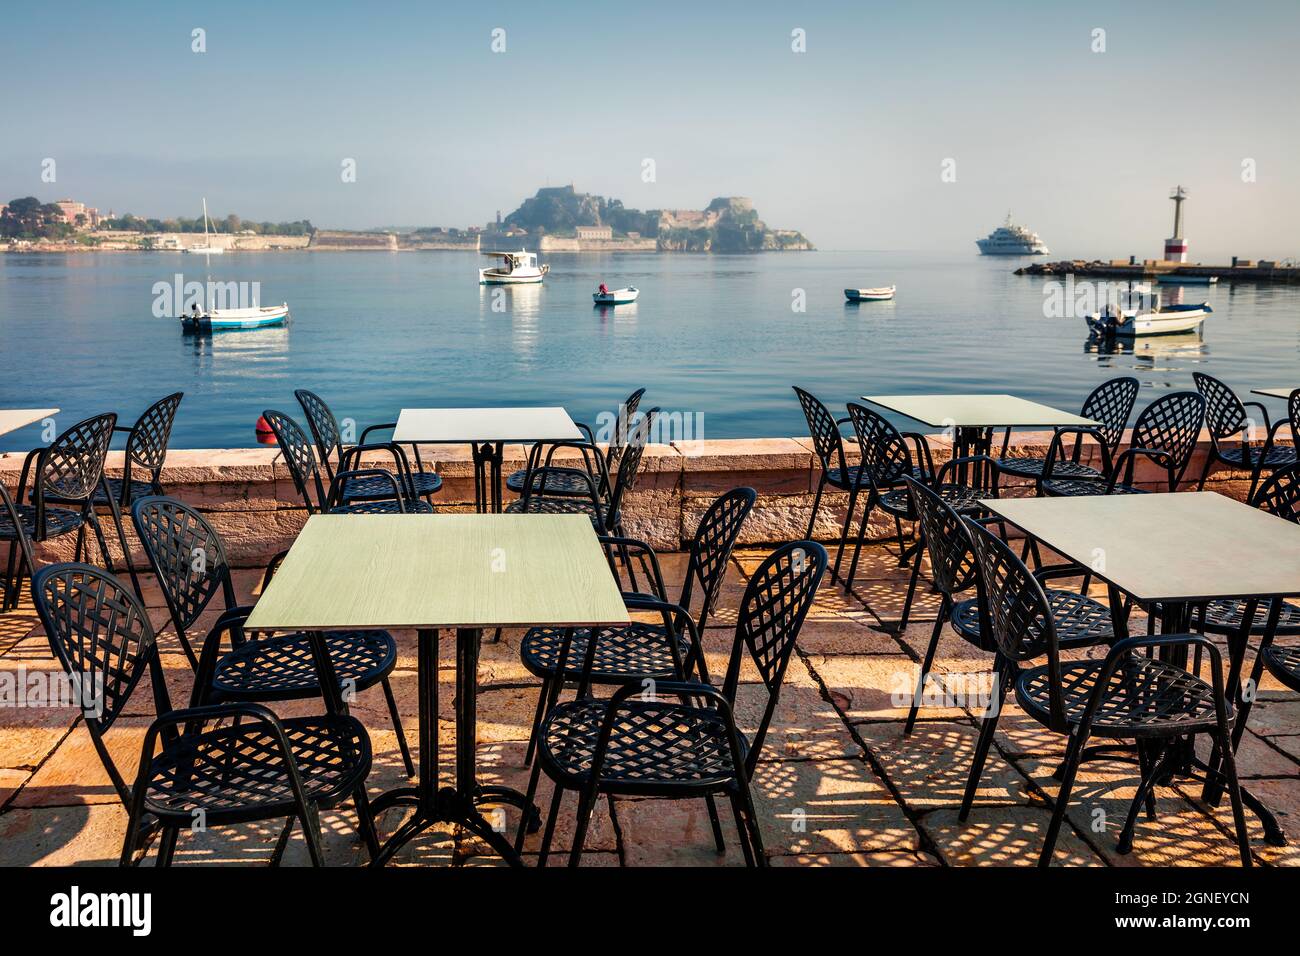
(857, 545)
(1151, 772)
(1205, 472)
(366, 821)
(716, 823)
(987, 727)
(812, 519)
(116, 515)
(1077, 740)
(311, 831)
(911, 589)
(533, 778)
(167, 846)
(285, 832)
(586, 806)
(751, 818)
(549, 832)
(9, 600)
(844, 535)
(925, 666)
(1229, 770)
(537, 721)
(402, 745)
(738, 812)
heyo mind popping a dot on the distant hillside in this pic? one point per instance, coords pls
(727, 224)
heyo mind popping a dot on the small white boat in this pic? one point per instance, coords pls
(1176, 279)
(206, 249)
(516, 267)
(615, 296)
(870, 295)
(1164, 320)
(214, 320)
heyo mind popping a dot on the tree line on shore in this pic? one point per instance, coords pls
(29, 218)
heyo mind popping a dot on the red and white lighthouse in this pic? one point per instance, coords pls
(1176, 245)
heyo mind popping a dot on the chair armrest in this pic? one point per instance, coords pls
(953, 463)
(335, 495)
(923, 456)
(1262, 410)
(383, 427)
(1055, 449)
(230, 622)
(529, 489)
(271, 567)
(635, 547)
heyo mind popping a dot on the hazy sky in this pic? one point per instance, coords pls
(845, 141)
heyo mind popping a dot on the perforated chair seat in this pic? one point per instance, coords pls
(961, 498)
(655, 747)
(57, 521)
(139, 489)
(1283, 662)
(1078, 488)
(1145, 696)
(1279, 456)
(237, 771)
(374, 487)
(1080, 621)
(1033, 468)
(1224, 617)
(559, 481)
(538, 505)
(623, 652)
(277, 666)
(388, 507)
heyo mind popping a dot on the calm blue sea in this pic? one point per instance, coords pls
(372, 332)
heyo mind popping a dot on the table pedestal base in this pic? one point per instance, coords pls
(458, 804)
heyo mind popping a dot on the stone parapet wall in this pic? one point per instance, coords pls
(249, 495)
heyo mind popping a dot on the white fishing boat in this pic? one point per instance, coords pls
(870, 295)
(207, 249)
(256, 317)
(1162, 320)
(1176, 279)
(615, 296)
(516, 267)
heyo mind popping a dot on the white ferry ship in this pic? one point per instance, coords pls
(1012, 240)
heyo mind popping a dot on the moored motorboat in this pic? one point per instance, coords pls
(516, 268)
(214, 320)
(615, 296)
(1165, 320)
(1176, 279)
(870, 295)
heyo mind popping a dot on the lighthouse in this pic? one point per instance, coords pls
(1176, 245)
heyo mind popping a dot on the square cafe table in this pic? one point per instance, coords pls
(1282, 393)
(973, 417)
(486, 430)
(428, 572)
(1178, 551)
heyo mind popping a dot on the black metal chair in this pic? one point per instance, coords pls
(887, 464)
(190, 563)
(643, 649)
(1226, 419)
(212, 765)
(1166, 433)
(678, 739)
(604, 510)
(1109, 404)
(146, 452)
(1079, 620)
(1128, 695)
(828, 443)
(572, 482)
(301, 459)
(330, 451)
(64, 478)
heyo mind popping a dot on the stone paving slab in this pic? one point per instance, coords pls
(838, 784)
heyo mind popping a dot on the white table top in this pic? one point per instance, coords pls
(1167, 547)
(976, 411)
(1282, 393)
(454, 425)
(12, 419)
(441, 571)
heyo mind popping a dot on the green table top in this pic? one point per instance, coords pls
(12, 419)
(441, 571)
(976, 411)
(1282, 393)
(455, 425)
(1167, 547)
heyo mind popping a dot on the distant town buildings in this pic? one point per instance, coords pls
(77, 214)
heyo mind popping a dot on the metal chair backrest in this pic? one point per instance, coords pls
(187, 557)
(618, 438)
(776, 601)
(827, 440)
(101, 635)
(629, 465)
(1279, 494)
(1109, 405)
(1293, 412)
(884, 453)
(324, 426)
(71, 467)
(715, 537)
(146, 446)
(1172, 424)
(1014, 609)
(1224, 414)
(296, 448)
(951, 562)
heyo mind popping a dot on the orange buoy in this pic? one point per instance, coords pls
(264, 434)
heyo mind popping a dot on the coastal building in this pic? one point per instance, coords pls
(73, 209)
(588, 233)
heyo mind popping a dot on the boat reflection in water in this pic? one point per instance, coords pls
(521, 305)
(242, 348)
(1147, 351)
(623, 316)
